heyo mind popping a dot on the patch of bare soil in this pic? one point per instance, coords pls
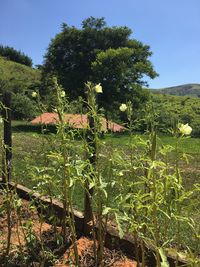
(112, 258)
(35, 243)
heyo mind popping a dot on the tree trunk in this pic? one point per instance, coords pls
(88, 215)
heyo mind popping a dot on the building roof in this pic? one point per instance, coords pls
(77, 121)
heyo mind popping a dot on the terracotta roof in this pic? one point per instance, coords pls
(77, 121)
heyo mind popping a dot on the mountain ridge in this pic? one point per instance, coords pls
(190, 89)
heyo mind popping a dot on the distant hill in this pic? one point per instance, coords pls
(21, 80)
(17, 77)
(192, 89)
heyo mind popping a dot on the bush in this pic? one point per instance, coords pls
(23, 107)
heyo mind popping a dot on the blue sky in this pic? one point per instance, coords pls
(170, 27)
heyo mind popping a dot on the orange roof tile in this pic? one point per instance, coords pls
(77, 121)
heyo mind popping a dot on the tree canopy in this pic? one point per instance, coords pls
(100, 54)
(14, 55)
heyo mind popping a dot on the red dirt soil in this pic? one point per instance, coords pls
(17, 236)
(112, 258)
(77, 121)
(84, 245)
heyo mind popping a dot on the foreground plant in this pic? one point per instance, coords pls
(142, 187)
(66, 169)
(57, 177)
(93, 179)
(61, 169)
(181, 195)
(96, 186)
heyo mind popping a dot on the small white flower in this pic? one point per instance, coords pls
(123, 107)
(185, 129)
(34, 94)
(62, 94)
(98, 88)
(1, 120)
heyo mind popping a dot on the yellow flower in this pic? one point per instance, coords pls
(123, 107)
(62, 94)
(34, 94)
(98, 88)
(185, 129)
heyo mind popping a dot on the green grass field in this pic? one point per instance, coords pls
(188, 145)
(29, 148)
(29, 143)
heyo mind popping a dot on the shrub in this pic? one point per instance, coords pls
(23, 107)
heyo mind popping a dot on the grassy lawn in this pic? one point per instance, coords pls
(188, 145)
(29, 144)
(29, 148)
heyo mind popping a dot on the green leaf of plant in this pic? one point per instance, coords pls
(71, 182)
(121, 233)
(164, 262)
(106, 210)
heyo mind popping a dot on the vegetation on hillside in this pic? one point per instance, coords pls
(191, 89)
(16, 77)
(21, 80)
(172, 109)
(17, 56)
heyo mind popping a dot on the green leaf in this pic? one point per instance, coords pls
(71, 182)
(106, 210)
(164, 262)
(121, 232)
(91, 184)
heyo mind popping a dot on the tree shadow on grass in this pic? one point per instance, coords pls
(45, 129)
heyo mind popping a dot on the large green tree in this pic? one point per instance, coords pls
(99, 54)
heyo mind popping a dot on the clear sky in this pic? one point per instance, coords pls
(170, 27)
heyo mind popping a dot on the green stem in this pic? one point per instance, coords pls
(100, 237)
(155, 211)
(73, 231)
(67, 199)
(177, 199)
(8, 204)
(155, 221)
